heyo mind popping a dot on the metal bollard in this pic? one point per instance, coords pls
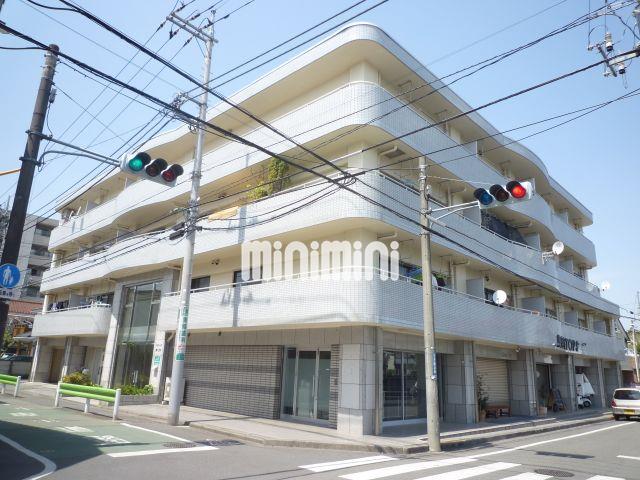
(87, 404)
(17, 389)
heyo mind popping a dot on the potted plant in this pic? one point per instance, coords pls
(543, 399)
(483, 399)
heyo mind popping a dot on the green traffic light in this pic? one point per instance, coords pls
(136, 164)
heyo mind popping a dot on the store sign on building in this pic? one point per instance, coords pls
(568, 344)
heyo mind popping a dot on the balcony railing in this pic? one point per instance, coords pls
(318, 300)
(85, 320)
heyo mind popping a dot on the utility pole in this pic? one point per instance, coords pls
(633, 338)
(431, 370)
(29, 160)
(191, 216)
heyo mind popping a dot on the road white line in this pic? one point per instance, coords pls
(406, 468)
(522, 447)
(602, 477)
(628, 458)
(352, 462)
(528, 476)
(49, 466)
(472, 472)
(159, 452)
(168, 435)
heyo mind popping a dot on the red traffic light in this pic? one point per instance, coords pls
(516, 189)
(171, 173)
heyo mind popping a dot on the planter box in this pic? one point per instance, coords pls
(138, 399)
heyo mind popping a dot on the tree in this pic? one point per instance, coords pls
(277, 180)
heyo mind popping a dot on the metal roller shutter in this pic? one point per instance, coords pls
(237, 379)
(495, 378)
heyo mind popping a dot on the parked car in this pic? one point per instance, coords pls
(626, 403)
(7, 356)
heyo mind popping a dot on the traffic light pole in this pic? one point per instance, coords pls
(29, 160)
(431, 371)
(177, 372)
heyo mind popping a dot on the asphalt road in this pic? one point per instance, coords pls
(38, 441)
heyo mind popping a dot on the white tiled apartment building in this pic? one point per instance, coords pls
(343, 353)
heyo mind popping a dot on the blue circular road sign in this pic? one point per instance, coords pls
(9, 275)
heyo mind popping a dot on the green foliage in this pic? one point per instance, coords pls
(481, 394)
(78, 378)
(277, 173)
(7, 339)
(135, 390)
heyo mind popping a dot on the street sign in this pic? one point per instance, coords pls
(9, 275)
(9, 278)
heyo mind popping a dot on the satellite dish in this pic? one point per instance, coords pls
(499, 297)
(604, 286)
(557, 248)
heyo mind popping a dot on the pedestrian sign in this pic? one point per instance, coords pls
(9, 275)
(9, 278)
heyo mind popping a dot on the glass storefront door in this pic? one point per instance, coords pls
(403, 386)
(305, 390)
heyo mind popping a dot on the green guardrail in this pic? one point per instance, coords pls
(109, 395)
(9, 380)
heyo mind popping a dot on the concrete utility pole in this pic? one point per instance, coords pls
(177, 371)
(431, 370)
(633, 338)
(29, 161)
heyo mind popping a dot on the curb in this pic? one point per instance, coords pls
(447, 444)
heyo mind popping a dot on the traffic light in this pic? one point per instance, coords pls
(157, 170)
(513, 192)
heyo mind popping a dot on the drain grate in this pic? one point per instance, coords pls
(180, 445)
(227, 442)
(554, 473)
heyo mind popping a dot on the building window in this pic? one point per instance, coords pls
(237, 278)
(32, 292)
(200, 282)
(136, 334)
(45, 232)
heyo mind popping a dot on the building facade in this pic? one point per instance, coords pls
(344, 351)
(34, 256)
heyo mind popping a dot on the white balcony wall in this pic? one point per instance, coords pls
(392, 303)
(341, 205)
(323, 116)
(85, 321)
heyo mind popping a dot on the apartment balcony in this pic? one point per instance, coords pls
(323, 116)
(141, 253)
(85, 321)
(331, 302)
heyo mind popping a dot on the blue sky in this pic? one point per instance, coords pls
(593, 157)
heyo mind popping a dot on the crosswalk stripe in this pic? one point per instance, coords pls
(528, 476)
(352, 462)
(471, 472)
(603, 477)
(406, 468)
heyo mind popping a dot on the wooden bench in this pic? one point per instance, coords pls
(498, 410)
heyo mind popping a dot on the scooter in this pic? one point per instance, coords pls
(584, 401)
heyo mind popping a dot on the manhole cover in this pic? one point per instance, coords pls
(554, 473)
(219, 443)
(180, 445)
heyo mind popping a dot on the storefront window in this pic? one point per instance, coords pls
(136, 334)
(404, 386)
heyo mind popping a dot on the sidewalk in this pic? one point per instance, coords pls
(394, 440)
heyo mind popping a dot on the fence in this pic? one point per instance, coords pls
(89, 393)
(9, 380)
